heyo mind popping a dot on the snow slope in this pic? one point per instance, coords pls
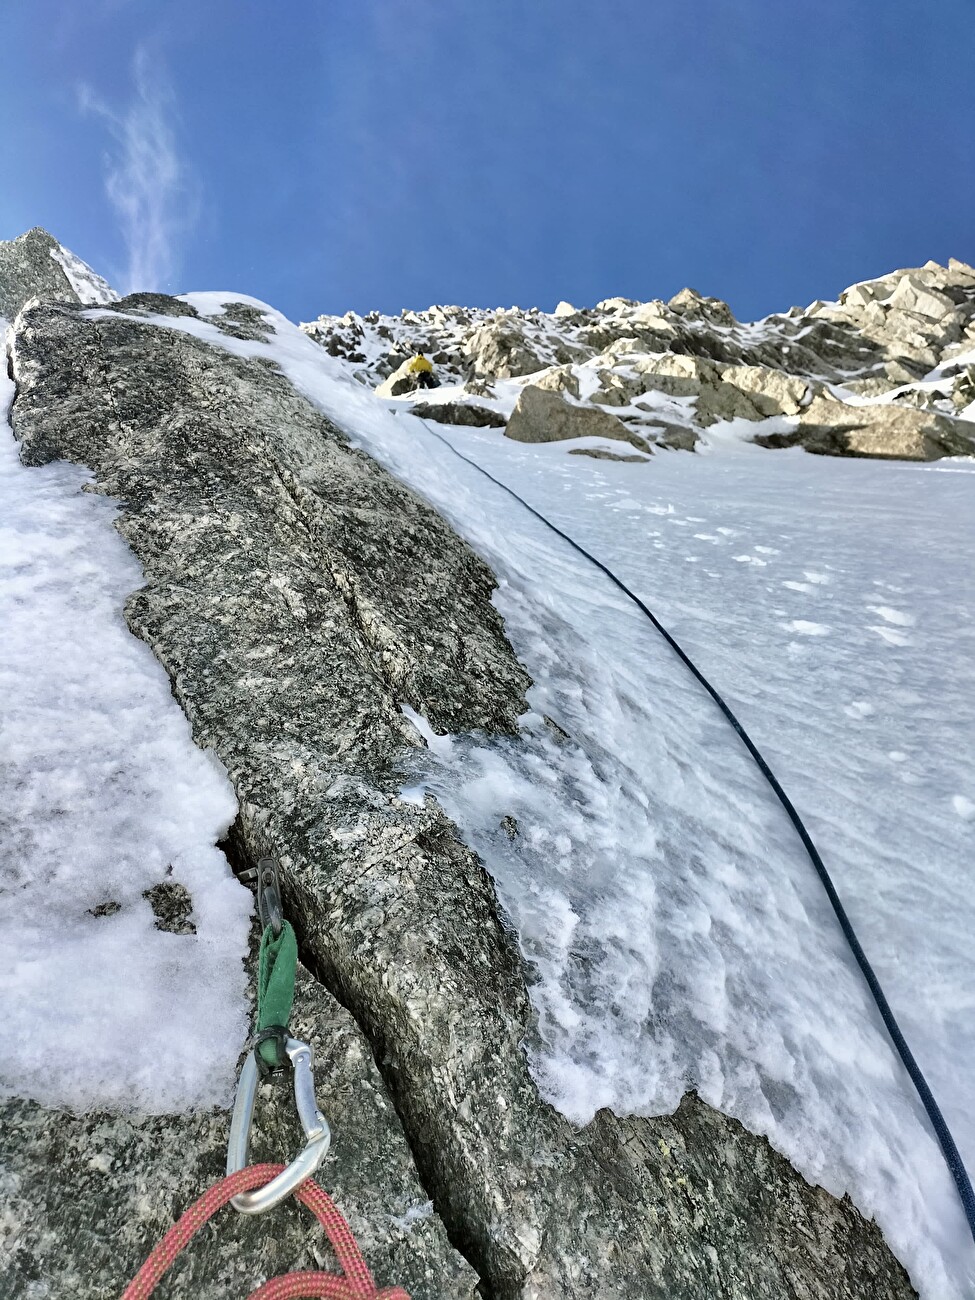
(104, 797)
(86, 283)
(679, 935)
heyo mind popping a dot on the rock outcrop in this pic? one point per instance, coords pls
(500, 352)
(907, 338)
(297, 595)
(832, 428)
(543, 416)
(35, 265)
(468, 414)
(717, 392)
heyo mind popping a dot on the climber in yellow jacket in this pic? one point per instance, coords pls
(423, 370)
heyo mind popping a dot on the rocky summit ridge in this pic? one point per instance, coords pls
(298, 596)
(35, 265)
(887, 370)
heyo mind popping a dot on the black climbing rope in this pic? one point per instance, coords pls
(952, 1155)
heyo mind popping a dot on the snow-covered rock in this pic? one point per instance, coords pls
(880, 339)
(403, 380)
(690, 304)
(557, 379)
(835, 428)
(772, 391)
(467, 414)
(500, 351)
(36, 265)
(340, 649)
(319, 621)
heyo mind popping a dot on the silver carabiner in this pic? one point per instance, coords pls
(317, 1133)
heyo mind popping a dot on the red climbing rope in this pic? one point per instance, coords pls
(356, 1283)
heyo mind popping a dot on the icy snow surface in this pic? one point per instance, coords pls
(104, 796)
(680, 936)
(89, 287)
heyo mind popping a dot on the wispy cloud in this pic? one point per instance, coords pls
(149, 185)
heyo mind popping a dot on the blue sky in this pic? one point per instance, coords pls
(335, 154)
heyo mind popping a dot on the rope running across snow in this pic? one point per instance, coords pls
(952, 1155)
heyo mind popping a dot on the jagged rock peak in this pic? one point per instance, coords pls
(35, 265)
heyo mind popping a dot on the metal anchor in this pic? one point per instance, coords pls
(264, 879)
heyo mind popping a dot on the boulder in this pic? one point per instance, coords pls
(678, 374)
(565, 354)
(772, 391)
(901, 370)
(655, 313)
(694, 306)
(859, 295)
(600, 453)
(675, 436)
(616, 304)
(913, 295)
(916, 337)
(832, 428)
(616, 387)
(463, 413)
(697, 377)
(557, 379)
(297, 595)
(961, 272)
(499, 351)
(543, 416)
(874, 314)
(622, 350)
(963, 388)
(871, 386)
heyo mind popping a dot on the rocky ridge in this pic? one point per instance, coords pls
(887, 370)
(298, 596)
(36, 265)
